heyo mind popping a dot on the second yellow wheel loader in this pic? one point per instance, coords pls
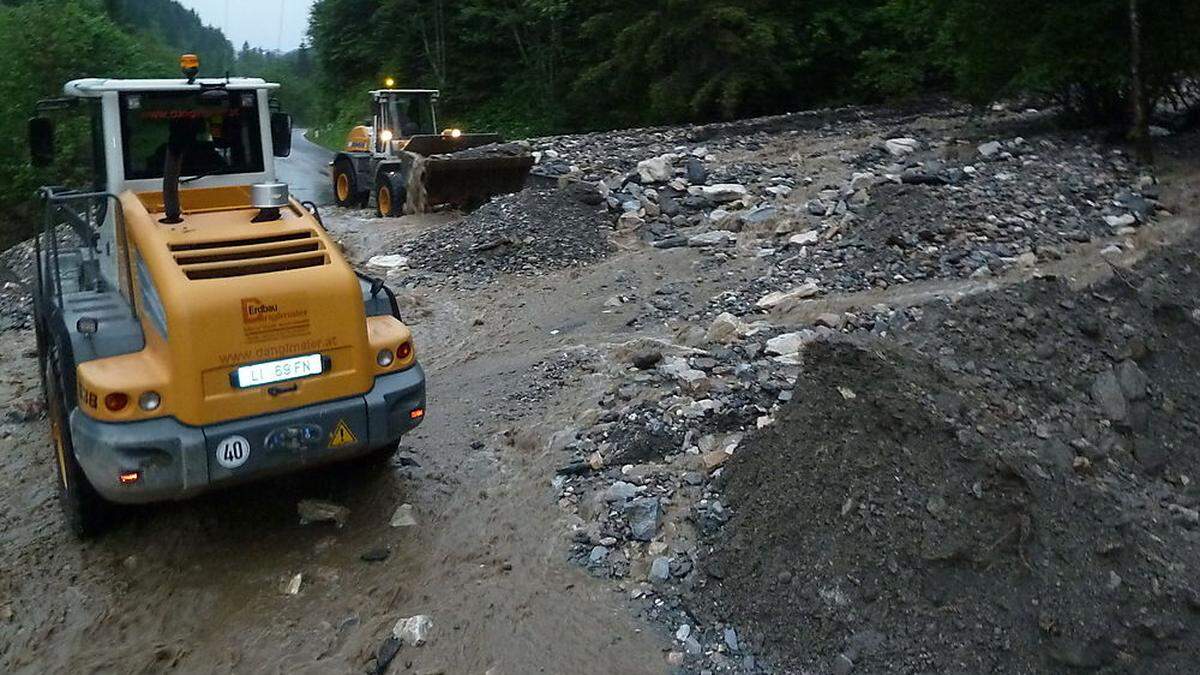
(406, 165)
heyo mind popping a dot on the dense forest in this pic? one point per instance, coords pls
(45, 43)
(554, 65)
(295, 72)
(541, 66)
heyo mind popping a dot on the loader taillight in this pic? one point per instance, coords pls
(129, 477)
(404, 350)
(116, 401)
(417, 414)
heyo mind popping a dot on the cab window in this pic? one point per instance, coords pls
(218, 131)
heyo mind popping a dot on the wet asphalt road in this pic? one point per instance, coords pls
(306, 171)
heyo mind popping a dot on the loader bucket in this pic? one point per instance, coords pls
(468, 182)
(462, 171)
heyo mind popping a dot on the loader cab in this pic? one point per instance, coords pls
(112, 136)
(400, 114)
(197, 327)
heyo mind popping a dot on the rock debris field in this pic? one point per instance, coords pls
(823, 468)
(897, 391)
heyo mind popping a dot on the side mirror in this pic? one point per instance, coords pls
(281, 133)
(41, 141)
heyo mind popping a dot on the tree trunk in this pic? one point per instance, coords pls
(1139, 134)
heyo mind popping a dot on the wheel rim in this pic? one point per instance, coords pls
(385, 200)
(343, 187)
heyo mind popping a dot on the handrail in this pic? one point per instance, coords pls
(59, 200)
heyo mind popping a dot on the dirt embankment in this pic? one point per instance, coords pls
(1004, 485)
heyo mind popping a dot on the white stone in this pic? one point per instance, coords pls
(413, 631)
(678, 367)
(788, 343)
(292, 587)
(809, 237)
(1125, 220)
(720, 193)
(714, 238)
(990, 149)
(900, 147)
(859, 181)
(807, 290)
(657, 169)
(404, 516)
(629, 221)
(388, 261)
(726, 328)
(718, 216)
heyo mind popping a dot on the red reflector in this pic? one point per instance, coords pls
(116, 401)
(127, 477)
(417, 414)
(404, 351)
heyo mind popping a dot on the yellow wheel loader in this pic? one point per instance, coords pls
(197, 327)
(399, 159)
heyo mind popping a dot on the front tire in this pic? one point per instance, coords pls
(345, 185)
(87, 513)
(390, 195)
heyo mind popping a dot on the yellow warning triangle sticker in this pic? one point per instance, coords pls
(341, 435)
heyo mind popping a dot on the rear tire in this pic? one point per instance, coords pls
(390, 195)
(345, 185)
(87, 513)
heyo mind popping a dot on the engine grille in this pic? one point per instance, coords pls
(222, 259)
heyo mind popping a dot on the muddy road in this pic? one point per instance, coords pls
(306, 171)
(196, 586)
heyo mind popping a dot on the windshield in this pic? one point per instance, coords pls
(409, 115)
(219, 131)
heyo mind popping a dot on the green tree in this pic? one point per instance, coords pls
(44, 44)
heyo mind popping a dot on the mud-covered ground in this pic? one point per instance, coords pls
(884, 406)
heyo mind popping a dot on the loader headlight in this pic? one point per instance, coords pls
(384, 358)
(149, 401)
(386, 135)
(453, 133)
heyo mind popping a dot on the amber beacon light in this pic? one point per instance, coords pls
(190, 65)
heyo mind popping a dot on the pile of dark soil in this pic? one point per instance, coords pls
(1010, 489)
(524, 233)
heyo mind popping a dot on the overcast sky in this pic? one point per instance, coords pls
(270, 24)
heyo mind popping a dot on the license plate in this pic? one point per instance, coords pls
(278, 371)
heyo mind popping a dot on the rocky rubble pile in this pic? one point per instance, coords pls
(927, 205)
(956, 210)
(525, 233)
(1005, 484)
(1011, 490)
(636, 473)
(17, 270)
